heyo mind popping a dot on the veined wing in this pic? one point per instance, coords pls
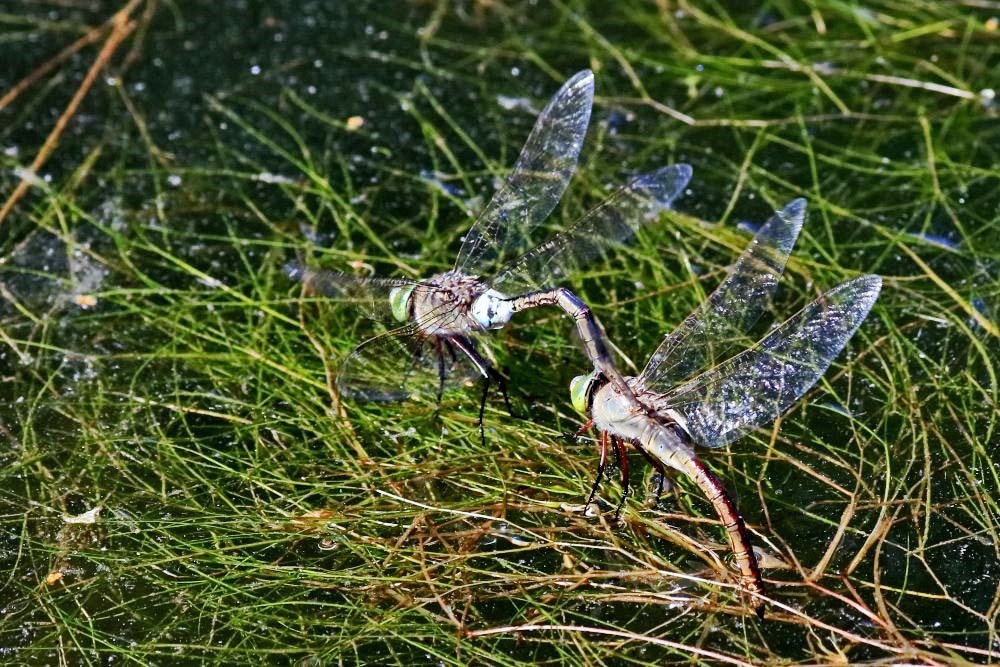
(757, 385)
(370, 295)
(723, 319)
(537, 182)
(401, 364)
(613, 221)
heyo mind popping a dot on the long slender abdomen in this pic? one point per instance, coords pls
(587, 328)
(669, 444)
(739, 538)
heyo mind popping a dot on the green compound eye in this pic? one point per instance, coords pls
(579, 391)
(399, 301)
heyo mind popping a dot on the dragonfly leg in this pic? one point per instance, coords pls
(490, 375)
(442, 345)
(621, 459)
(602, 462)
(501, 381)
(482, 409)
(661, 471)
(661, 483)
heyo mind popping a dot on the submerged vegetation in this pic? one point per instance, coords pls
(182, 483)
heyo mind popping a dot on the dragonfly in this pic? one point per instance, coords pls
(500, 270)
(689, 400)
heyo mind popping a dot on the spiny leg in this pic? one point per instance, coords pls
(482, 409)
(418, 355)
(661, 478)
(449, 345)
(661, 472)
(440, 346)
(494, 376)
(489, 374)
(602, 462)
(621, 459)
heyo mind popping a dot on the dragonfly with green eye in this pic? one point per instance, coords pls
(687, 399)
(500, 269)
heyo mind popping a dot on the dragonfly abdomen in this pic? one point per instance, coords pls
(669, 444)
(739, 539)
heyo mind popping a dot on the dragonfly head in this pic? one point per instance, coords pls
(581, 391)
(492, 310)
(399, 302)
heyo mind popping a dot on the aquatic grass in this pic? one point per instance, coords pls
(160, 369)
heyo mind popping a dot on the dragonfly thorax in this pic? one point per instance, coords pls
(662, 434)
(612, 411)
(443, 305)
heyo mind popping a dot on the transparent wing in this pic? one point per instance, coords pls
(613, 221)
(723, 319)
(537, 182)
(756, 386)
(369, 295)
(401, 364)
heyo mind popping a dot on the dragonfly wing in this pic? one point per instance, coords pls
(759, 384)
(402, 364)
(723, 319)
(537, 182)
(370, 295)
(613, 221)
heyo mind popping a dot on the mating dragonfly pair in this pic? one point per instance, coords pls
(683, 397)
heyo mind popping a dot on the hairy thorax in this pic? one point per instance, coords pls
(614, 413)
(442, 304)
(660, 433)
